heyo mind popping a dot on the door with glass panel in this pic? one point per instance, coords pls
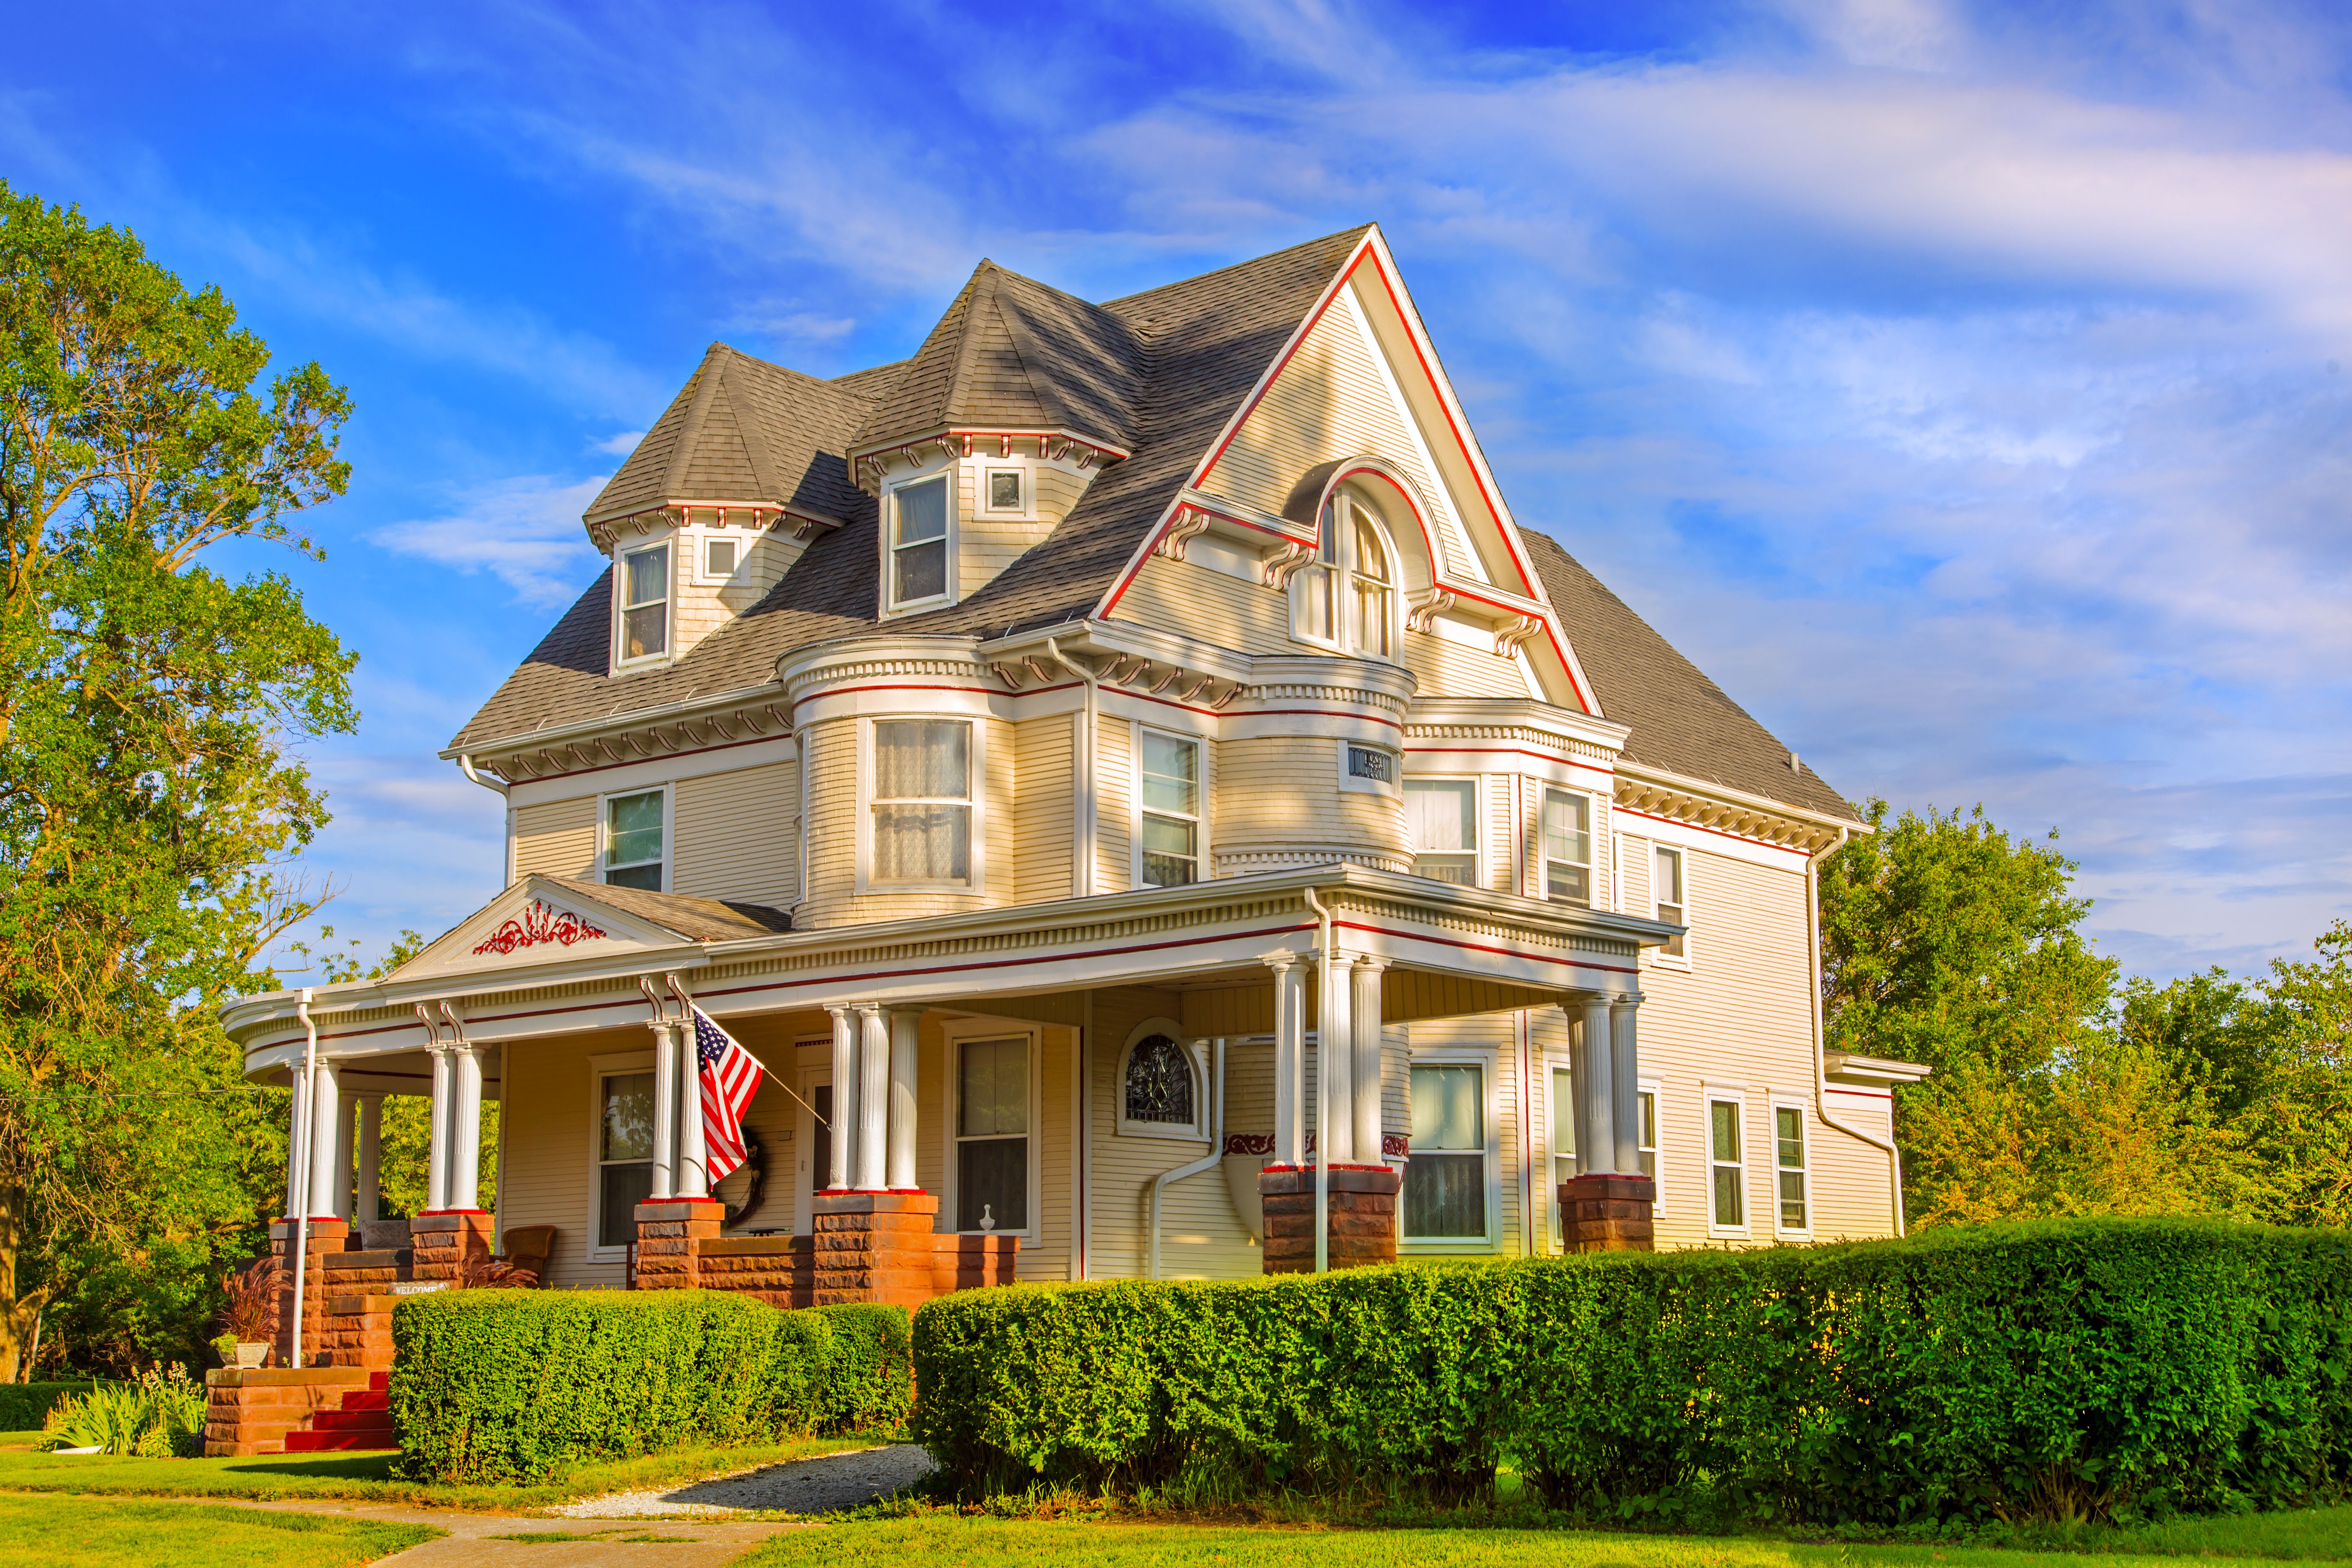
(624, 1153)
(992, 1135)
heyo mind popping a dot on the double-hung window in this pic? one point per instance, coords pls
(1666, 893)
(918, 542)
(1788, 1155)
(1567, 846)
(922, 801)
(633, 840)
(1445, 1179)
(1171, 769)
(1727, 1171)
(624, 1153)
(644, 603)
(1372, 595)
(1645, 1138)
(1442, 817)
(1563, 1126)
(992, 1135)
(1347, 595)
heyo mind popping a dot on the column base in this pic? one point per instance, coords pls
(1363, 1208)
(1607, 1213)
(321, 1236)
(875, 1246)
(442, 1241)
(670, 1233)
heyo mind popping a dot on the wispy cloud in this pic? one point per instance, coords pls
(618, 445)
(525, 532)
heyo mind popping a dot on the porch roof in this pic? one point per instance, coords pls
(552, 956)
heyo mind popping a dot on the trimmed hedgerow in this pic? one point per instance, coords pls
(518, 1385)
(25, 1405)
(2087, 1368)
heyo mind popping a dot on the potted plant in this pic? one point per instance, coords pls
(251, 1315)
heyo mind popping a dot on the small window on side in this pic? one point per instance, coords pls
(1567, 846)
(718, 558)
(1726, 1196)
(1004, 490)
(1666, 889)
(1440, 820)
(633, 841)
(1789, 1153)
(644, 603)
(918, 542)
(1370, 762)
(1171, 766)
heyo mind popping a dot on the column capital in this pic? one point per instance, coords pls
(1368, 960)
(904, 1009)
(869, 1009)
(1625, 998)
(1281, 961)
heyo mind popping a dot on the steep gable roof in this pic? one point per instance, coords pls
(1012, 354)
(1682, 721)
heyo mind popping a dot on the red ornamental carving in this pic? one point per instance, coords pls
(538, 922)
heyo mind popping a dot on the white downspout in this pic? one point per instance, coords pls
(506, 861)
(1322, 1089)
(1214, 1158)
(1083, 756)
(1821, 1067)
(302, 1209)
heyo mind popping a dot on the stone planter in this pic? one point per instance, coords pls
(249, 1354)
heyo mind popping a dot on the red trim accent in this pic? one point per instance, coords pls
(1511, 751)
(423, 1213)
(907, 1192)
(1298, 342)
(1719, 832)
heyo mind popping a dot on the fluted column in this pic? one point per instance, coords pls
(1290, 1058)
(437, 1169)
(297, 1121)
(346, 1107)
(1626, 1081)
(1335, 1063)
(905, 1041)
(873, 1098)
(465, 1128)
(326, 1102)
(369, 1200)
(665, 1110)
(844, 1098)
(1596, 1096)
(1365, 1016)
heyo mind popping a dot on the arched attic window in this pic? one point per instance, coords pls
(1347, 598)
(1159, 1088)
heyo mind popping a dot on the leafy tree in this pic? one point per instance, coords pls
(2302, 1124)
(148, 800)
(2219, 1026)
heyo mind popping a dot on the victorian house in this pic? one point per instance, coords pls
(1129, 779)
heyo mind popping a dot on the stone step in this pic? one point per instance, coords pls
(352, 1421)
(334, 1442)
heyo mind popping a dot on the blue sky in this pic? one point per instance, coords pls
(1962, 386)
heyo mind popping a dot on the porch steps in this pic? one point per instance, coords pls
(362, 1420)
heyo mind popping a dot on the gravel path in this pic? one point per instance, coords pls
(801, 1486)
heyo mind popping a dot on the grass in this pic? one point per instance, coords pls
(369, 1478)
(2308, 1535)
(84, 1532)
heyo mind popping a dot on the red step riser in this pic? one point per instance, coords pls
(367, 1402)
(350, 1421)
(335, 1442)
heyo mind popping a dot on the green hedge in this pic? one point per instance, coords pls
(24, 1405)
(2090, 1368)
(518, 1385)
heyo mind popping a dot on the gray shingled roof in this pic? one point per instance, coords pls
(1682, 721)
(1012, 355)
(697, 919)
(1202, 343)
(745, 430)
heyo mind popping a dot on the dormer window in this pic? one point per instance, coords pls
(1004, 490)
(644, 603)
(1347, 599)
(918, 542)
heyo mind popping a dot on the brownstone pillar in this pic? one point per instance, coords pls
(440, 1243)
(1606, 1213)
(875, 1246)
(1363, 1200)
(322, 1236)
(670, 1233)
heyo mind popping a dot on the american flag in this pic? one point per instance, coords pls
(730, 1076)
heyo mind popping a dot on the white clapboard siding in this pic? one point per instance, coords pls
(555, 839)
(735, 837)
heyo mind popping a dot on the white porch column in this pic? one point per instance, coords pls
(1290, 1058)
(845, 1098)
(665, 1102)
(297, 1119)
(369, 1205)
(1365, 1016)
(1596, 1100)
(326, 1099)
(693, 1153)
(465, 1127)
(1626, 1081)
(1335, 1053)
(437, 1169)
(905, 1041)
(873, 1098)
(346, 1174)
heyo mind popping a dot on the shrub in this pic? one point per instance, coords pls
(518, 1385)
(160, 1415)
(25, 1405)
(2057, 1370)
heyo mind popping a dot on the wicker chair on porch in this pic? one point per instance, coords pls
(529, 1247)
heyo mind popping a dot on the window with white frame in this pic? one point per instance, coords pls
(921, 806)
(1370, 770)
(1563, 1126)
(718, 558)
(1727, 1169)
(624, 1153)
(1441, 819)
(1567, 846)
(1171, 799)
(1666, 893)
(918, 542)
(1160, 1089)
(1002, 489)
(644, 603)
(1347, 597)
(1445, 1179)
(633, 854)
(1645, 1139)
(992, 1135)
(1788, 1158)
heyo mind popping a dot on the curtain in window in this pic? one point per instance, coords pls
(922, 760)
(1440, 815)
(1445, 1180)
(920, 550)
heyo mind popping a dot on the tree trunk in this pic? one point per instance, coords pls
(12, 1311)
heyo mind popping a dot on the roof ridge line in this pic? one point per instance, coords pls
(754, 437)
(705, 388)
(979, 289)
(1025, 348)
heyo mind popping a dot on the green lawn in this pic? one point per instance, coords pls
(274, 1476)
(85, 1533)
(2316, 1534)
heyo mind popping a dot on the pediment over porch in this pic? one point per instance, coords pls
(543, 920)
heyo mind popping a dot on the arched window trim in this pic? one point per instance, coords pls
(1324, 595)
(1197, 1132)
